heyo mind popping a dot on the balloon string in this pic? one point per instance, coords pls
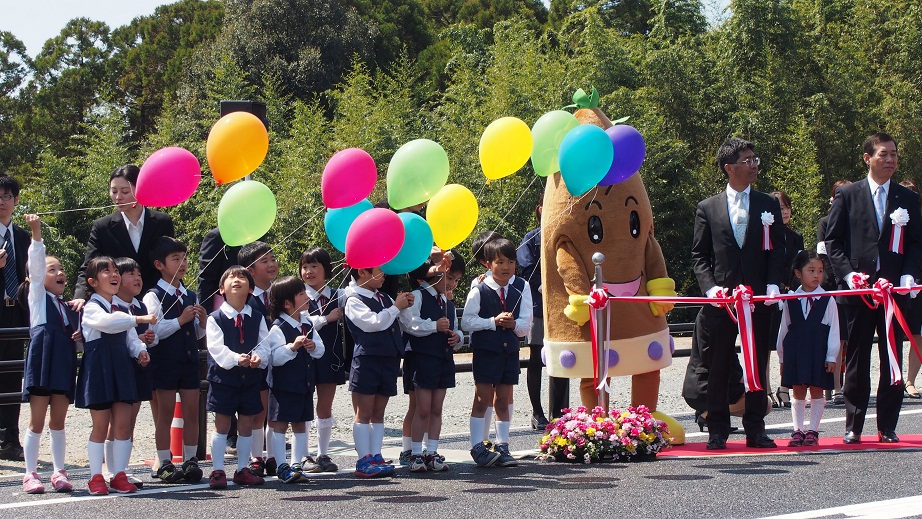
(83, 209)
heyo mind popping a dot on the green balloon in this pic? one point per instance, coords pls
(246, 212)
(418, 170)
(548, 132)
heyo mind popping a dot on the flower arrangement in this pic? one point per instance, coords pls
(588, 436)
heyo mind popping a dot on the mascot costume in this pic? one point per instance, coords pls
(616, 220)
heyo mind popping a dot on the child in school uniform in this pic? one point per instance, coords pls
(126, 299)
(174, 359)
(106, 384)
(808, 344)
(295, 347)
(237, 354)
(372, 318)
(496, 314)
(260, 262)
(325, 309)
(433, 335)
(51, 362)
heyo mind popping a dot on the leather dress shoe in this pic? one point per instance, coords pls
(887, 437)
(851, 437)
(539, 422)
(11, 452)
(760, 442)
(716, 444)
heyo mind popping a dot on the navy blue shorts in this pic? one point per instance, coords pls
(374, 375)
(231, 400)
(286, 406)
(492, 367)
(409, 370)
(173, 376)
(143, 382)
(433, 372)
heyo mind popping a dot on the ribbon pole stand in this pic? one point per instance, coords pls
(597, 259)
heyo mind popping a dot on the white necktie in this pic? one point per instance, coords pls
(740, 219)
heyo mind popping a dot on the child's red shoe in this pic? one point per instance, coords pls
(121, 484)
(217, 480)
(97, 485)
(245, 477)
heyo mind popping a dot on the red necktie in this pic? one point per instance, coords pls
(304, 329)
(61, 310)
(380, 297)
(238, 322)
(441, 302)
(116, 308)
(809, 304)
(266, 300)
(322, 300)
(502, 297)
(179, 295)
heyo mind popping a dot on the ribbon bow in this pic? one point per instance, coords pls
(883, 295)
(899, 218)
(598, 298)
(742, 303)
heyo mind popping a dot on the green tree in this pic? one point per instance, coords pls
(14, 68)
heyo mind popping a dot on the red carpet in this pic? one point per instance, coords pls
(827, 444)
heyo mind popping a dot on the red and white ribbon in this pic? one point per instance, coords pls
(598, 300)
(882, 294)
(742, 303)
(767, 220)
(899, 218)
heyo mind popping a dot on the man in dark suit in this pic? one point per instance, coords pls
(858, 240)
(727, 251)
(129, 232)
(214, 258)
(13, 255)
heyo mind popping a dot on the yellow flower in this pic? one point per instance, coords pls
(561, 441)
(590, 431)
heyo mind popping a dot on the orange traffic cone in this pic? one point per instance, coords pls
(176, 443)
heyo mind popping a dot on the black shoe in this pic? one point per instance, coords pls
(716, 444)
(760, 442)
(12, 452)
(887, 437)
(784, 397)
(191, 472)
(539, 422)
(271, 467)
(851, 437)
(702, 423)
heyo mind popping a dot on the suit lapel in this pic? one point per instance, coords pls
(150, 229)
(120, 231)
(867, 205)
(723, 217)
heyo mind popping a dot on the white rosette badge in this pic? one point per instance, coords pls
(767, 220)
(899, 218)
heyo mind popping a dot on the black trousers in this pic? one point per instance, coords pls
(716, 333)
(10, 317)
(862, 323)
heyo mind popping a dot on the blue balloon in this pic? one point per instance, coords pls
(417, 245)
(586, 154)
(336, 222)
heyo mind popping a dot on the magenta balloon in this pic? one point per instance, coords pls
(630, 151)
(168, 177)
(348, 178)
(374, 238)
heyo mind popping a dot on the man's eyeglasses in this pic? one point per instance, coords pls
(6, 197)
(754, 161)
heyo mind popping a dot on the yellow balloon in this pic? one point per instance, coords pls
(452, 215)
(237, 144)
(505, 147)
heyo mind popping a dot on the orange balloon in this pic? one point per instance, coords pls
(237, 145)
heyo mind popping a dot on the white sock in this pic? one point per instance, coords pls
(269, 438)
(407, 443)
(58, 448)
(361, 436)
(511, 412)
(502, 432)
(30, 444)
(416, 448)
(110, 456)
(432, 446)
(487, 422)
(95, 451)
(244, 445)
(276, 452)
(259, 443)
(299, 448)
(122, 452)
(189, 451)
(162, 456)
(324, 433)
(218, 444)
(476, 427)
(377, 437)
(798, 410)
(425, 438)
(817, 406)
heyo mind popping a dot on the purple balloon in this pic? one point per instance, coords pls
(630, 151)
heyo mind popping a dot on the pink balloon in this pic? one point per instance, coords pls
(374, 238)
(348, 178)
(168, 177)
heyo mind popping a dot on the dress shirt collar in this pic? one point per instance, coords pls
(230, 312)
(170, 289)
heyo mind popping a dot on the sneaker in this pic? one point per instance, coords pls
(31, 484)
(257, 466)
(484, 457)
(505, 459)
(417, 463)
(435, 462)
(60, 482)
(97, 485)
(191, 472)
(811, 439)
(797, 439)
(326, 464)
(838, 399)
(489, 445)
(387, 468)
(299, 472)
(138, 484)
(367, 468)
(285, 474)
(217, 479)
(309, 466)
(168, 473)
(245, 476)
(271, 467)
(404, 458)
(121, 484)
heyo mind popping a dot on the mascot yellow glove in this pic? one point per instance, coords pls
(577, 310)
(661, 287)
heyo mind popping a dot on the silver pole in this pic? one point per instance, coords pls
(597, 259)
